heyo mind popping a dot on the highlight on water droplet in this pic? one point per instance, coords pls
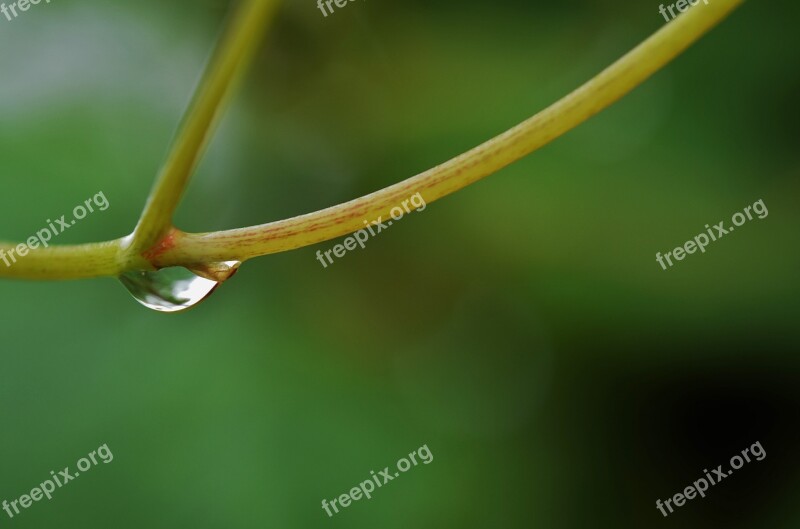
(176, 288)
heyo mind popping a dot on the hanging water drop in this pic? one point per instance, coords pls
(176, 288)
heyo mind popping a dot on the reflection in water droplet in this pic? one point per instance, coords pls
(176, 288)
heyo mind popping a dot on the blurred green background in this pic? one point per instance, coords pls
(521, 328)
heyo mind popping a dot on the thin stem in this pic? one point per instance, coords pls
(63, 262)
(170, 247)
(597, 94)
(234, 53)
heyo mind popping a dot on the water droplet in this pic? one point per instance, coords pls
(177, 288)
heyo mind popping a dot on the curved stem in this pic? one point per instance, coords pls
(235, 51)
(597, 94)
(170, 247)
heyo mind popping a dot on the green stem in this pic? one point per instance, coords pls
(64, 262)
(235, 51)
(597, 94)
(177, 248)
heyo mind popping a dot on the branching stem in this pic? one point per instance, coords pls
(156, 244)
(235, 50)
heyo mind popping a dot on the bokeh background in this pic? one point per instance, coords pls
(521, 328)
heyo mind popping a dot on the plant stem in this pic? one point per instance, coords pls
(158, 245)
(65, 262)
(597, 94)
(234, 53)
